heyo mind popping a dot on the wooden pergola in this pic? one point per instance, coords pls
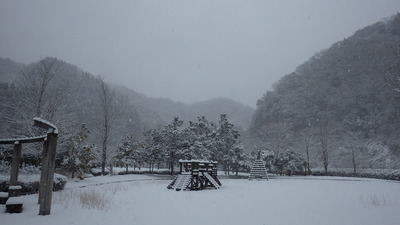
(48, 161)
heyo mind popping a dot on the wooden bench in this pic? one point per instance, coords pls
(14, 205)
(14, 191)
(3, 197)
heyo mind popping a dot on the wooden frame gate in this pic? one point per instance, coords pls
(48, 161)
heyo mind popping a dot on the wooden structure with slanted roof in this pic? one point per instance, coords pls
(196, 175)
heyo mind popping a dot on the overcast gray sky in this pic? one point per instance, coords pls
(186, 50)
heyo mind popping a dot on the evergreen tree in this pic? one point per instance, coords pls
(290, 162)
(201, 138)
(129, 152)
(80, 155)
(173, 142)
(153, 148)
(227, 138)
(238, 158)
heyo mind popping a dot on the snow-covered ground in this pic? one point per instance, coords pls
(145, 200)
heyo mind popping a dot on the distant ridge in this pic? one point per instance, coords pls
(164, 109)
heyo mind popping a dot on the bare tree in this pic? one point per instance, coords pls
(106, 107)
(323, 137)
(307, 139)
(37, 79)
(38, 91)
(277, 135)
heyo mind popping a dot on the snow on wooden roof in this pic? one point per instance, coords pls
(196, 161)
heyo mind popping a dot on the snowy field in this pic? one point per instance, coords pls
(145, 200)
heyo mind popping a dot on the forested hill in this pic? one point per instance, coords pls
(338, 103)
(146, 112)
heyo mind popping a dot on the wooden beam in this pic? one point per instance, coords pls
(11, 141)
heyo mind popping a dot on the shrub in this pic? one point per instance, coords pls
(290, 163)
(384, 174)
(162, 172)
(30, 184)
(92, 200)
(97, 172)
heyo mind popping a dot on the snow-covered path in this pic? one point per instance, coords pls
(145, 200)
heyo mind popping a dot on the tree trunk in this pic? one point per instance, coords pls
(326, 167)
(103, 159)
(172, 163)
(323, 135)
(354, 161)
(308, 171)
(106, 104)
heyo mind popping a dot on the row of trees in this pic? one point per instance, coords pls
(162, 148)
(202, 139)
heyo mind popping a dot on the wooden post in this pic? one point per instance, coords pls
(47, 176)
(15, 163)
(42, 171)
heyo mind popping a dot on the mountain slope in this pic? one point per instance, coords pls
(339, 102)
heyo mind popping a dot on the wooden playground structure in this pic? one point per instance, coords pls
(13, 199)
(196, 175)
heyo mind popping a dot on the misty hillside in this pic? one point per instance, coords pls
(151, 112)
(338, 105)
(8, 69)
(163, 110)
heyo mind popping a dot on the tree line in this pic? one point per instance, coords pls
(201, 139)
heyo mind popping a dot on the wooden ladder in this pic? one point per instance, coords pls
(212, 180)
(182, 182)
